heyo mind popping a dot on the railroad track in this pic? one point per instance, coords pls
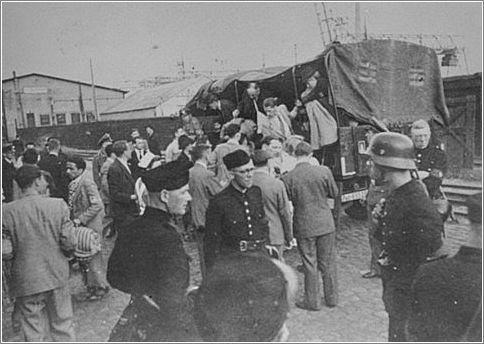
(457, 191)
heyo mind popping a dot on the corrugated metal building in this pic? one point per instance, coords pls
(161, 101)
(38, 100)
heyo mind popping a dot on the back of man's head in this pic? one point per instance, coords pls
(232, 130)
(242, 298)
(26, 176)
(54, 145)
(30, 156)
(119, 147)
(303, 149)
(109, 149)
(198, 152)
(184, 141)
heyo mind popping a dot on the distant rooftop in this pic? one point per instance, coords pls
(63, 79)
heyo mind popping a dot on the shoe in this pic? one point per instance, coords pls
(304, 305)
(300, 268)
(370, 274)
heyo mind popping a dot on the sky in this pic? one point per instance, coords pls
(60, 38)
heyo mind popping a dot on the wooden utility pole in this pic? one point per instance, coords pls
(295, 53)
(4, 118)
(357, 22)
(327, 23)
(96, 115)
(81, 104)
(18, 97)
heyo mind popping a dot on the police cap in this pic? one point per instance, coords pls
(236, 159)
(171, 176)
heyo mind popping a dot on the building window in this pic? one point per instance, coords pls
(90, 116)
(61, 118)
(44, 119)
(30, 120)
(75, 117)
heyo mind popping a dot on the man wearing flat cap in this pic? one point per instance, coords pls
(150, 263)
(100, 158)
(236, 221)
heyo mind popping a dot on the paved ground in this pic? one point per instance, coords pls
(359, 317)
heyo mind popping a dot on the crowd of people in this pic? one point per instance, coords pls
(253, 188)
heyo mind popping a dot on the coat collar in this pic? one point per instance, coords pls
(125, 170)
(156, 214)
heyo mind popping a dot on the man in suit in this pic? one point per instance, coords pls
(100, 158)
(121, 187)
(40, 230)
(236, 221)
(150, 263)
(87, 210)
(276, 202)
(309, 188)
(153, 141)
(222, 108)
(185, 144)
(55, 163)
(447, 293)
(136, 156)
(8, 171)
(203, 187)
(251, 103)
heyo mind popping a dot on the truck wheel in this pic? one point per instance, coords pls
(357, 210)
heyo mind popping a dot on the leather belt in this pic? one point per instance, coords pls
(251, 245)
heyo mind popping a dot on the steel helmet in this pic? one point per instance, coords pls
(392, 150)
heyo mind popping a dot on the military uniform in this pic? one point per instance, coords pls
(410, 232)
(433, 160)
(150, 263)
(235, 223)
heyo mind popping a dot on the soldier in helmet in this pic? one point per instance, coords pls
(409, 225)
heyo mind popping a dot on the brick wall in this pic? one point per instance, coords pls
(86, 135)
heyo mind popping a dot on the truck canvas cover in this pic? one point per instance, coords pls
(391, 80)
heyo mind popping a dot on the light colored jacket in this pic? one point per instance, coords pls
(308, 188)
(87, 204)
(216, 159)
(104, 190)
(203, 186)
(276, 207)
(39, 228)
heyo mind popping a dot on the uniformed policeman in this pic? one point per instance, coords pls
(150, 263)
(409, 225)
(236, 220)
(431, 159)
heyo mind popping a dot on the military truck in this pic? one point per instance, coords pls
(373, 85)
